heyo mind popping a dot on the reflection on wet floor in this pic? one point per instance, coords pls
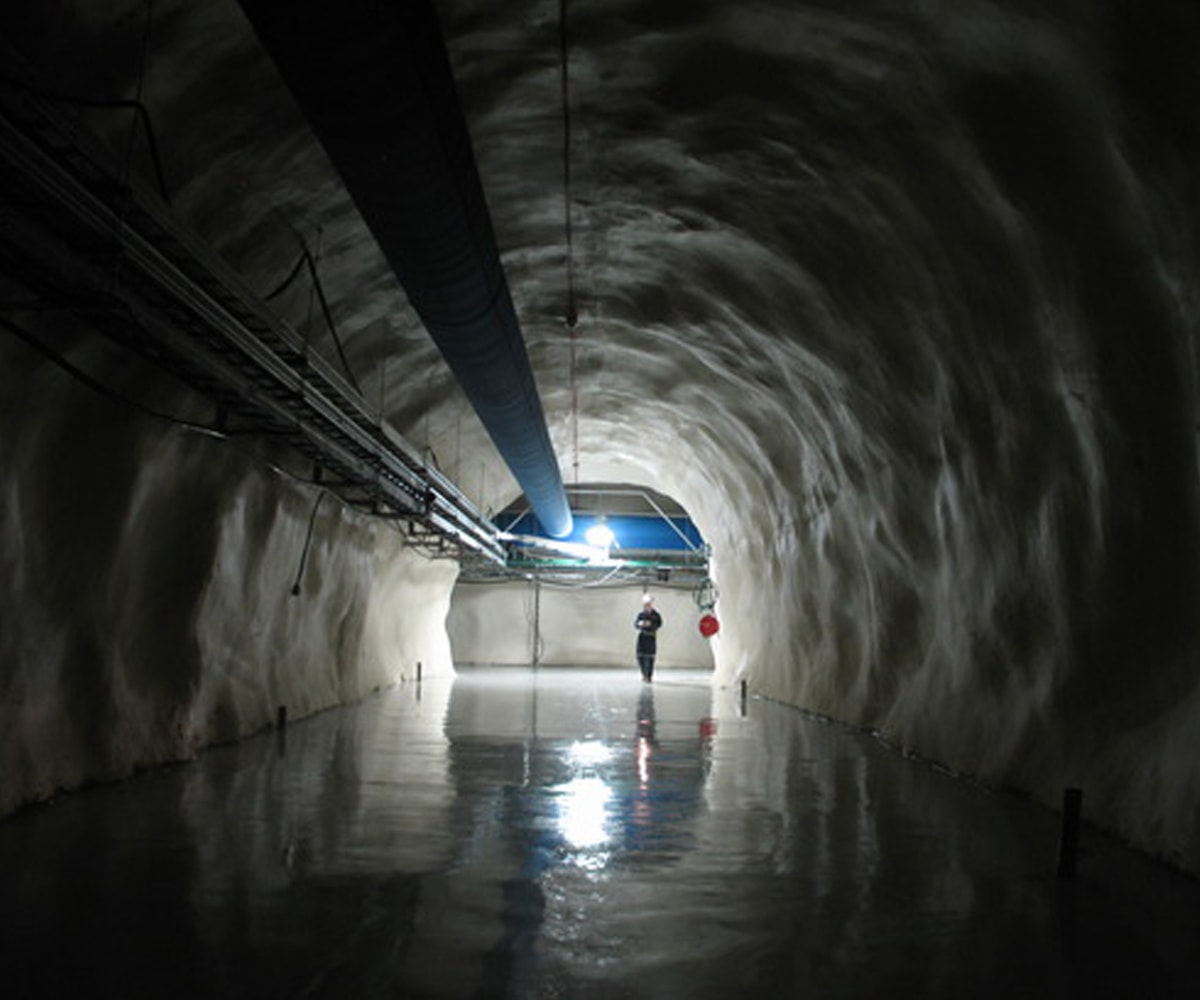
(573, 834)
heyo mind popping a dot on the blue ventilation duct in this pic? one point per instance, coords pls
(373, 78)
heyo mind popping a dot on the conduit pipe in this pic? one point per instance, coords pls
(374, 80)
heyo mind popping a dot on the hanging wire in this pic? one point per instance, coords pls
(118, 256)
(143, 59)
(383, 387)
(306, 261)
(283, 286)
(96, 386)
(312, 293)
(312, 521)
(458, 440)
(217, 433)
(136, 105)
(533, 619)
(139, 109)
(572, 310)
(564, 48)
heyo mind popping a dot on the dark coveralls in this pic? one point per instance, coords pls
(647, 623)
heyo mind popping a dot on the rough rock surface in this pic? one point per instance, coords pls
(899, 300)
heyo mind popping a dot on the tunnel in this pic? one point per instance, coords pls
(897, 302)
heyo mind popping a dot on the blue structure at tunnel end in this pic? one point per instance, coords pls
(631, 532)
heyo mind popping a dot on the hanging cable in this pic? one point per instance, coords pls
(143, 58)
(564, 48)
(574, 413)
(137, 107)
(312, 295)
(283, 286)
(212, 432)
(306, 261)
(312, 521)
(118, 256)
(572, 316)
(77, 373)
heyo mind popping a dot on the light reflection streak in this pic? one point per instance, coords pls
(584, 801)
(583, 811)
(589, 753)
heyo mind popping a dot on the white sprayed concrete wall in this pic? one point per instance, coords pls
(146, 605)
(493, 624)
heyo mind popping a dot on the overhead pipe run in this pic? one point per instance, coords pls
(373, 78)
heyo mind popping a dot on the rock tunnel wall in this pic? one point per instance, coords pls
(900, 303)
(898, 300)
(146, 604)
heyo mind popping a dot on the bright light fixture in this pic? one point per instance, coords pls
(600, 536)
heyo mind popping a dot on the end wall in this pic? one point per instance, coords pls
(493, 624)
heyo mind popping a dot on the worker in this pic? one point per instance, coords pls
(647, 624)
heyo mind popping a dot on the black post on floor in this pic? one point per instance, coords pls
(281, 730)
(743, 697)
(1068, 841)
(536, 639)
(418, 671)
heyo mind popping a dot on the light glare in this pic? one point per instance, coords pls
(600, 536)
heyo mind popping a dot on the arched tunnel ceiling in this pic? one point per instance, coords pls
(897, 299)
(807, 239)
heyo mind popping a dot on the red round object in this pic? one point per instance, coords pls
(709, 626)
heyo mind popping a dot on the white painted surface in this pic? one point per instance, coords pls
(494, 624)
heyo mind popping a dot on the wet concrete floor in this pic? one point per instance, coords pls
(574, 834)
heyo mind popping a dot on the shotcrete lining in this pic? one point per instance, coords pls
(869, 325)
